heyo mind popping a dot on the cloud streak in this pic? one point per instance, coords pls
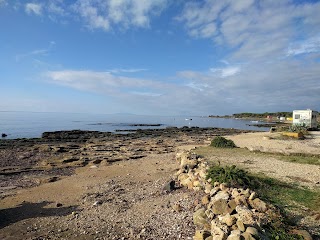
(33, 8)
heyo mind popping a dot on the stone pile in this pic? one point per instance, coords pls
(225, 213)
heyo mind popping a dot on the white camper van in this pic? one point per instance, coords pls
(306, 118)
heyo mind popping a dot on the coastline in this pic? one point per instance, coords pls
(94, 185)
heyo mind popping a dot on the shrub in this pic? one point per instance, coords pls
(230, 175)
(221, 142)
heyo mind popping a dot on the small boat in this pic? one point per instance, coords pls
(188, 119)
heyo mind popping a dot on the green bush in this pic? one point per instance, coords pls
(230, 175)
(221, 142)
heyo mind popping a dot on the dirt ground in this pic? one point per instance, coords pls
(125, 200)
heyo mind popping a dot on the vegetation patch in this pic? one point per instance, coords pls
(230, 174)
(221, 142)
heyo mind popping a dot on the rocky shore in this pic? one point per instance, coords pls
(96, 185)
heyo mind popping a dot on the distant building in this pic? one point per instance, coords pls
(306, 118)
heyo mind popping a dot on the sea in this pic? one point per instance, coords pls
(33, 124)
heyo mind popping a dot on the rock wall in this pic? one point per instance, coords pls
(225, 213)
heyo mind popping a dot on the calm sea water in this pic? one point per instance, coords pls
(30, 124)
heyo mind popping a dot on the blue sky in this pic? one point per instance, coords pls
(159, 57)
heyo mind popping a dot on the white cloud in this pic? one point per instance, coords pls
(254, 30)
(105, 82)
(275, 86)
(226, 72)
(33, 8)
(130, 13)
(311, 45)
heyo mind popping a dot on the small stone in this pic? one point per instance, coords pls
(223, 186)
(253, 231)
(247, 236)
(220, 207)
(246, 193)
(234, 237)
(205, 200)
(96, 203)
(169, 186)
(176, 207)
(241, 200)
(258, 204)
(200, 219)
(232, 204)
(235, 232)
(235, 193)
(216, 184)
(227, 219)
(245, 215)
(240, 226)
(222, 195)
(196, 183)
(208, 188)
(59, 205)
(253, 196)
(201, 235)
(214, 191)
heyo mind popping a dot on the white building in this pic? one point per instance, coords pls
(306, 118)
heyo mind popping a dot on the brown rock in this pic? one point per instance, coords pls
(222, 195)
(253, 231)
(245, 215)
(232, 204)
(205, 200)
(176, 207)
(258, 204)
(241, 200)
(227, 219)
(200, 219)
(247, 236)
(201, 235)
(234, 237)
(241, 226)
(303, 233)
(220, 207)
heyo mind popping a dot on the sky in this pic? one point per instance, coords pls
(159, 57)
